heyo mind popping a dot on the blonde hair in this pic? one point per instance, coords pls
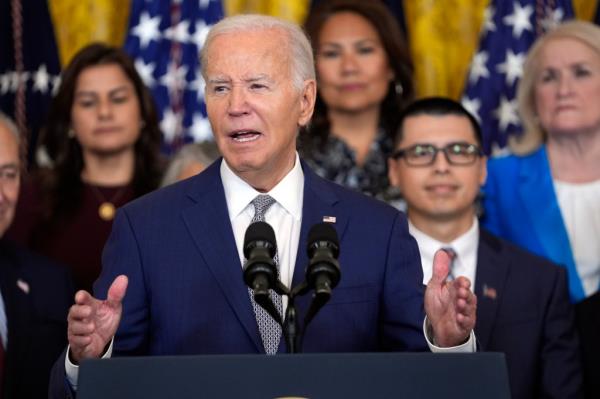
(533, 133)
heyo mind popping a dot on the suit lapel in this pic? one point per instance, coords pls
(490, 279)
(319, 202)
(17, 305)
(208, 223)
(536, 190)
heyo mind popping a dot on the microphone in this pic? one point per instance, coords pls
(260, 271)
(323, 271)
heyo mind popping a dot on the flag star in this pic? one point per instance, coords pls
(473, 106)
(179, 33)
(552, 19)
(204, 4)
(519, 19)
(5, 81)
(512, 66)
(55, 84)
(147, 29)
(198, 86)
(478, 67)
(200, 34)
(506, 113)
(146, 71)
(174, 78)
(200, 129)
(488, 19)
(41, 79)
(169, 125)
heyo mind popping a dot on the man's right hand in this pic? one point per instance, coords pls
(93, 323)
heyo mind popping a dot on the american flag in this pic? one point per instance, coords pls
(509, 29)
(165, 38)
(29, 65)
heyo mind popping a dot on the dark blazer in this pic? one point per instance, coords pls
(587, 316)
(37, 295)
(186, 294)
(523, 310)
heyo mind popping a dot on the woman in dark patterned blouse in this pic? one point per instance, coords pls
(364, 78)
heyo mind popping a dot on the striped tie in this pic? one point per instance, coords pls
(270, 330)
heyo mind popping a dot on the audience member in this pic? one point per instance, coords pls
(35, 293)
(546, 197)
(523, 307)
(103, 141)
(190, 160)
(365, 76)
(173, 263)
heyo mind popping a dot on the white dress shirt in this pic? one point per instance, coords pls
(285, 215)
(465, 246)
(580, 209)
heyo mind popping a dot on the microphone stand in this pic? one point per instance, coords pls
(289, 326)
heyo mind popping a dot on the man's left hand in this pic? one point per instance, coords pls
(450, 305)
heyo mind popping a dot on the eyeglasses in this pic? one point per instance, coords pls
(458, 153)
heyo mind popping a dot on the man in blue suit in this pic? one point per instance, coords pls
(35, 293)
(523, 301)
(172, 268)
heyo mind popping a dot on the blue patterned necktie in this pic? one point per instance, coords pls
(270, 330)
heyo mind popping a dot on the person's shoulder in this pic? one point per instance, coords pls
(357, 202)
(33, 269)
(177, 195)
(35, 262)
(507, 159)
(520, 259)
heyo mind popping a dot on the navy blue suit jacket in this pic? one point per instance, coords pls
(37, 294)
(186, 294)
(523, 310)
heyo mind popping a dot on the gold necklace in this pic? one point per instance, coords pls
(107, 208)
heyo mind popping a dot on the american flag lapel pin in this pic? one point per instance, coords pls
(329, 219)
(489, 292)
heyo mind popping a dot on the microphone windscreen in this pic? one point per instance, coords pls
(259, 232)
(323, 232)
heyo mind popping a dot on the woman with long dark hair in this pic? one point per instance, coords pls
(102, 148)
(364, 76)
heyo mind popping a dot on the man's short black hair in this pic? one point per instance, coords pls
(439, 106)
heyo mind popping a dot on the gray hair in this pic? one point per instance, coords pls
(301, 55)
(205, 153)
(533, 133)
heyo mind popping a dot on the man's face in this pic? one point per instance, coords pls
(441, 191)
(9, 177)
(253, 107)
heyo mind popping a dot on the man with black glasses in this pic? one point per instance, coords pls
(523, 306)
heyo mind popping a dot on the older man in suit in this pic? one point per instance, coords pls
(35, 294)
(173, 265)
(523, 303)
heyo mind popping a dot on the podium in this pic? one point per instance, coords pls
(314, 376)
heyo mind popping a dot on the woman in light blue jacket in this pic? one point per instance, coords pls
(546, 197)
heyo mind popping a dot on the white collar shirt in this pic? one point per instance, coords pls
(285, 215)
(465, 246)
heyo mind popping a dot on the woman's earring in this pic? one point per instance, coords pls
(399, 89)
(71, 133)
